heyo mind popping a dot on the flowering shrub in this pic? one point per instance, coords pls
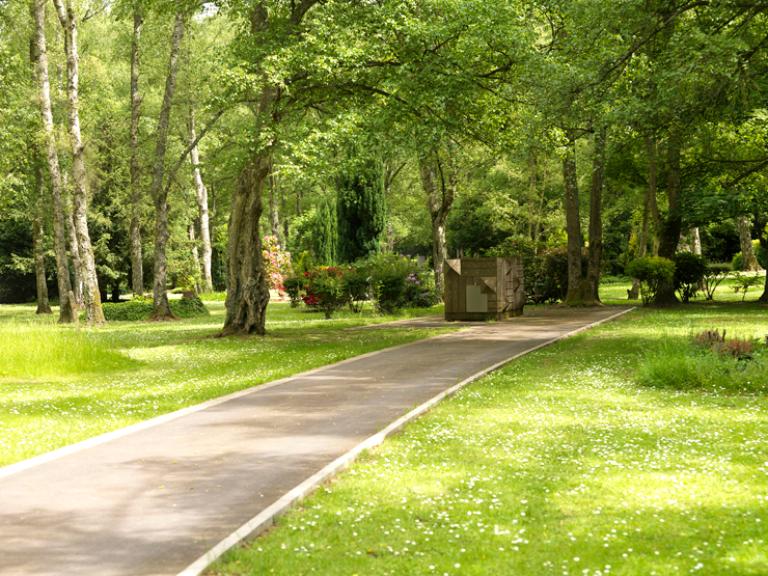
(277, 262)
(324, 289)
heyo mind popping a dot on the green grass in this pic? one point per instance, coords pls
(59, 385)
(614, 291)
(559, 464)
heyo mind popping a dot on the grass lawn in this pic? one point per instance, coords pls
(614, 291)
(59, 385)
(562, 463)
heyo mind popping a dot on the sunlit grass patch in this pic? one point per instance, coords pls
(35, 350)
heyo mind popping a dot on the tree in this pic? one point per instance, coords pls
(361, 209)
(67, 308)
(137, 258)
(158, 190)
(91, 296)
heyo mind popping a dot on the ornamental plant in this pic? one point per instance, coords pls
(689, 274)
(324, 289)
(277, 262)
(653, 272)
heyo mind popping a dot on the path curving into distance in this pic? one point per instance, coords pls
(168, 496)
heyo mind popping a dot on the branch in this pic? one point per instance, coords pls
(172, 172)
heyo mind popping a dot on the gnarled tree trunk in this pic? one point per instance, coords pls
(91, 295)
(201, 194)
(162, 310)
(248, 286)
(438, 179)
(67, 308)
(137, 257)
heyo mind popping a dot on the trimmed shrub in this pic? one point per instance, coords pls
(139, 309)
(653, 272)
(689, 274)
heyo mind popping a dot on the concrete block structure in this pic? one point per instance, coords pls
(483, 288)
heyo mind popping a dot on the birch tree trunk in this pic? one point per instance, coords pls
(38, 241)
(137, 257)
(67, 309)
(749, 260)
(195, 251)
(162, 310)
(201, 193)
(596, 217)
(74, 254)
(696, 240)
(438, 179)
(91, 295)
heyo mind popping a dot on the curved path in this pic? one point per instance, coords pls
(155, 498)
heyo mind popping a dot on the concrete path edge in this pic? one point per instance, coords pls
(266, 518)
(17, 467)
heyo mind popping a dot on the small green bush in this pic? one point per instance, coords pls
(713, 277)
(294, 287)
(139, 309)
(653, 272)
(357, 286)
(689, 274)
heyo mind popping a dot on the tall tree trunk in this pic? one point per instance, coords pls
(575, 295)
(67, 308)
(749, 260)
(653, 188)
(248, 286)
(91, 295)
(650, 211)
(38, 242)
(673, 223)
(195, 252)
(74, 254)
(596, 215)
(137, 258)
(274, 209)
(764, 245)
(696, 240)
(438, 179)
(201, 194)
(162, 310)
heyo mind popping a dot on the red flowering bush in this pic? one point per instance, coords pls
(324, 288)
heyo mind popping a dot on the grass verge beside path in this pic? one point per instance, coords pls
(559, 464)
(60, 385)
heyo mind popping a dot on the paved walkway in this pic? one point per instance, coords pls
(151, 502)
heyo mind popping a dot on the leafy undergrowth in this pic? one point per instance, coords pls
(683, 365)
(59, 385)
(559, 464)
